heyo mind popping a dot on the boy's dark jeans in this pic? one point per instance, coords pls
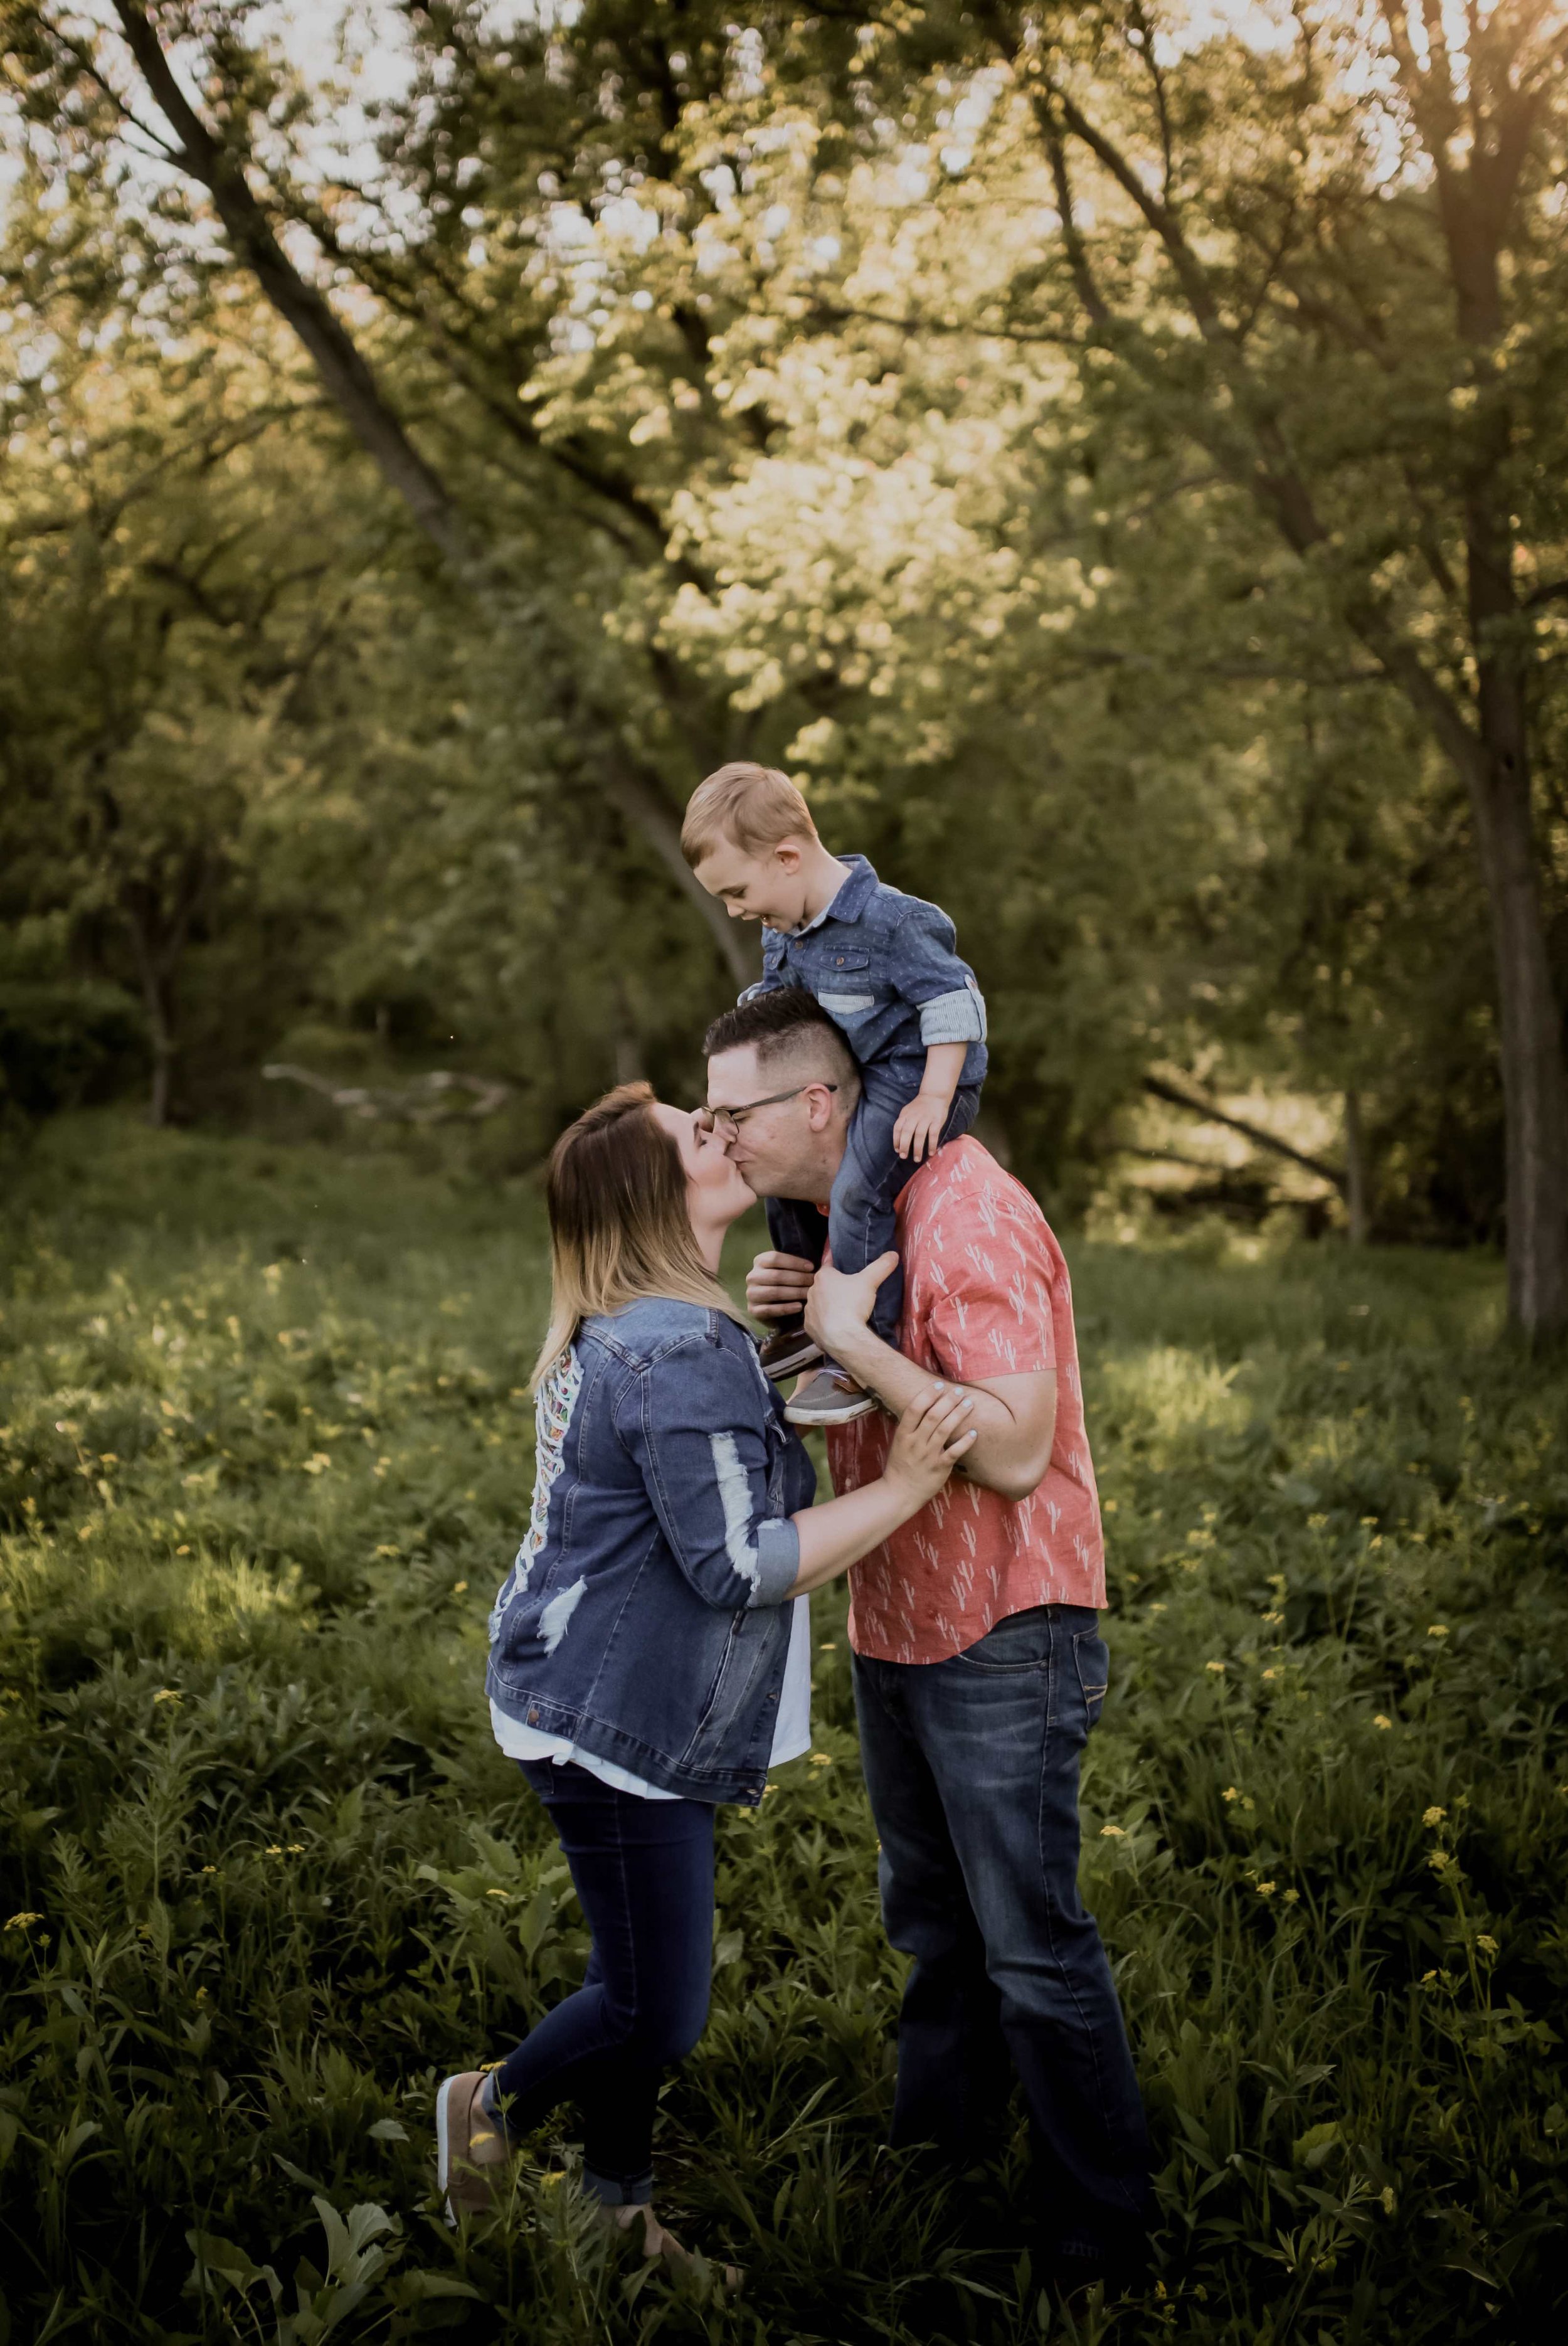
(971, 1765)
(644, 1872)
(861, 1223)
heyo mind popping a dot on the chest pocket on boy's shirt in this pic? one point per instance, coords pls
(841, 985)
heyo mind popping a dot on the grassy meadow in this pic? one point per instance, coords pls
(264, 1453)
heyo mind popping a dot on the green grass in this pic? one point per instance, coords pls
(265, 1452)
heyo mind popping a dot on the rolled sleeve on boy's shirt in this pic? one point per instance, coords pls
(694, 1422)
(955, 1017)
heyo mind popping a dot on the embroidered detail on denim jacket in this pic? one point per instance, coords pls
(553, 1406)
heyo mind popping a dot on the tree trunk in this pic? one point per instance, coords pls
(643, 810)
(160, 1034)
(1530, 1022)
(1358, 1197)
(1530, 1049)
(351, 385)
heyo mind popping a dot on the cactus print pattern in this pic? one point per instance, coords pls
(986, 1294)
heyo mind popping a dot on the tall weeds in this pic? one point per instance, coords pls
(264, 1450)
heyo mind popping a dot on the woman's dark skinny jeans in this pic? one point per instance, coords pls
(644, 1872)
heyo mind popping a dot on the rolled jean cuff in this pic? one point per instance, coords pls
(777, 1562)
(618, 2190)
(956, 1017)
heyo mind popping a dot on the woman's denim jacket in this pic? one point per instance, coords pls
(644, 1616)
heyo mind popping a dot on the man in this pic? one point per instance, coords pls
(978, 1666)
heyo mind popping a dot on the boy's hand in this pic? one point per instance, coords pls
(777, 1285)
(918, 1131)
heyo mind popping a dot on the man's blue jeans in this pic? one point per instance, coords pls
(861, 1217)
(971, 1765)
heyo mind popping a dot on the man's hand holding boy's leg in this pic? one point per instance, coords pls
(777, 1285)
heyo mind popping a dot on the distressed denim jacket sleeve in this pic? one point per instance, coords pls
(696, 1420)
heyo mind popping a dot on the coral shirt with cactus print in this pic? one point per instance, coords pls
(986, 1294)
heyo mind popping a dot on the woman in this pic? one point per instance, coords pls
(651, 1651)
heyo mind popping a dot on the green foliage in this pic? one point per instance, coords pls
(1083, 580)
(265, 1455)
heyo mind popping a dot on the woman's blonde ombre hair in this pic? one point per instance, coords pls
(619, 1227)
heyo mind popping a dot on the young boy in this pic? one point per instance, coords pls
(882, 965)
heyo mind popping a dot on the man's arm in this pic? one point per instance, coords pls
(1014, 1418)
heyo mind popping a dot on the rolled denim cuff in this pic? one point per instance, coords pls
(777, 1562)
(617, 2190)
(956, 1017)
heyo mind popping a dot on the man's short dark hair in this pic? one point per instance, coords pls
(779, 1026)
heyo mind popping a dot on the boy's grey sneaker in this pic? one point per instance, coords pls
(788, 1351)
(831, 1398)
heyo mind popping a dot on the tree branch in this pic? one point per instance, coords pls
(1161, 1087)
(633, 790)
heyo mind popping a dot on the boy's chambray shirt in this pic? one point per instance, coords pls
(883, 967)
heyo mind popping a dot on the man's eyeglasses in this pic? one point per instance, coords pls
(726, 1121)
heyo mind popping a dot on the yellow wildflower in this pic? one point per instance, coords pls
(1433, 1816)
(1382, 1718)
(822, 1759)
(22, 1922)
(1438, 1629)
(1113, 1832)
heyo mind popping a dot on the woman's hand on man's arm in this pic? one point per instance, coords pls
(1015, 1417)
(933, 1435)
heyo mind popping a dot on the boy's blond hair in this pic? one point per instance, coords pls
(752, 806)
